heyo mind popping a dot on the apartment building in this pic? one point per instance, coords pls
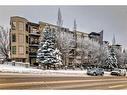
(19, 39)
(97, 37)
(34, 36)
(25, 37)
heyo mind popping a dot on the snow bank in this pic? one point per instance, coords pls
(18, 69)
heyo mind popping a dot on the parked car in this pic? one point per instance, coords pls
(119, 72)
(95, 71)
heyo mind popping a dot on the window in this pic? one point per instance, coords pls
(13, 38)
(26, 50)
(13, 49)
(26, 39)
(31, 40)
(21, 38)
(13, 25)
(27, 27)
(21, 49)
(36, 41)
(34, 30)
(21, 26)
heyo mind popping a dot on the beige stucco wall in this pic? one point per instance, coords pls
(17, 32)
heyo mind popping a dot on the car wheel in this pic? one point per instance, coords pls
(102, 74)
(94, 74)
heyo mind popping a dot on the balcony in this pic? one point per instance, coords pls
(34, 34)
(34, 45)
(71, 57)
(34, 42)
(71, 54)
(33, 54)
(78, 57)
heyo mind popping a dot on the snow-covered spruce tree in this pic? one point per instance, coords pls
(47, 53)
(111, 61)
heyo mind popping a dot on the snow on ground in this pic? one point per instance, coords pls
(18, 69)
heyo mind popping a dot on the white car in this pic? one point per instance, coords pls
(119, 72)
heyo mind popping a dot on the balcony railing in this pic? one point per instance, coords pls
(34, 42)
(71, 54)
(33, 56)
(35, 33)
(78, 57)
(35, 45)
(32, 53)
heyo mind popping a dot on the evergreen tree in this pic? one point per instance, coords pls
(111, 61)
(47, 53)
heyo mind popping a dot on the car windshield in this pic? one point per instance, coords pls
(96, 69)
(116, 69)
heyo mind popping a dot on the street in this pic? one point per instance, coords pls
(15, 81)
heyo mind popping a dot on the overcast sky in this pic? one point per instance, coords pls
(111, 19)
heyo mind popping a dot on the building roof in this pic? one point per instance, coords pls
(106, 42)
(117, 45)
(18, 17)
(33, 24)
(41, 22)
(94, 33)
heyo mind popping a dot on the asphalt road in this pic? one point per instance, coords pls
(15, 81)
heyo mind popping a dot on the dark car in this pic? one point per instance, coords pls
(95, 71)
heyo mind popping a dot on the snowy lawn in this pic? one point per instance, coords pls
(18, 69)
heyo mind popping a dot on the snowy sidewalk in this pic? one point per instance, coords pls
(17, 69)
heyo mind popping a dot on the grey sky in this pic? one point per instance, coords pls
(112, 19)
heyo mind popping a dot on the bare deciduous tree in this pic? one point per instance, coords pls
(120, 57)
(64, 40)
(4, 43)
(90, 50)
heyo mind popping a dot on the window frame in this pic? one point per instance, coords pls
(21, 51)
(21, 28)
(13, 37)
(13, 25)
(21, 38)
(27, 50)
(27, 39)
(13, 49)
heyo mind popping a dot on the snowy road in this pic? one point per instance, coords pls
(12, 77)
(36, 81)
